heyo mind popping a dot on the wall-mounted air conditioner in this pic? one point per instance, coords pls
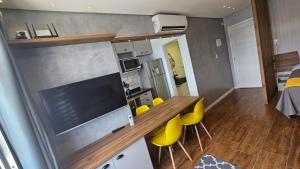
(169, 23)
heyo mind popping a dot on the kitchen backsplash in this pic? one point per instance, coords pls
(132, 78)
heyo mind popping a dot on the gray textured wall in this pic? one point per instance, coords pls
(230, 20)
(213, 76)
(78, 23)
(285, 21)
(45, 68)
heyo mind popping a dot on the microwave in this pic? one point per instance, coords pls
(130, 64)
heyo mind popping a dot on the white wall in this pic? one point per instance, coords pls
(13, 117)
(230, 20)
(159, 52)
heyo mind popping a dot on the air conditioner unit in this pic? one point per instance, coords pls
(169, 23)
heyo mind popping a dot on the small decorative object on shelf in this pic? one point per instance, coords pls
(22, 34)
(45, 33)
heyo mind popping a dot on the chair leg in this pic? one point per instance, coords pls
(159, 155)
(184, 133)
(206, 130)
(172, 158)
(184, 150)
(198, 136)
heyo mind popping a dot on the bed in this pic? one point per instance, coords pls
(289, 102)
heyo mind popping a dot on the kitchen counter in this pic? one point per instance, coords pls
(105, 148)
(133, 95)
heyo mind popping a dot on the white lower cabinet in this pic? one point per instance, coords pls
(107, 165)
(136, 156)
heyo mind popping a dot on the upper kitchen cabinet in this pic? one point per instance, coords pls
(123, 47)
(142, 47)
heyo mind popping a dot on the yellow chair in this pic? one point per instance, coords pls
(157, 101)
(194, 118)
(168, 137)
(141, 110)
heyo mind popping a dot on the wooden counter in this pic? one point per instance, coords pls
(104, 149)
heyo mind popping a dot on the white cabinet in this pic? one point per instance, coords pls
(142, 47)
(123, 47)
(107, 165)
(136, 156)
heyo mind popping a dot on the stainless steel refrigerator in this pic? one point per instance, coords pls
(153, 76)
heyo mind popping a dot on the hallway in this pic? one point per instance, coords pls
(247, 134)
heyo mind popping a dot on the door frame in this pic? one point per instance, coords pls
(229, 30)
(169, 66)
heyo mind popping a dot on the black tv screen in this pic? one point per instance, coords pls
(74, 104)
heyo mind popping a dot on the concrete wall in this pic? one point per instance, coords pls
(50, 67)
(77, 23)
(285, 21)
(213, 74)
(233, 19)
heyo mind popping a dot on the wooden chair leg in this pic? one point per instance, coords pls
(198, 136)
(206, 130)
(159, 155)
(184, 133)
(184, 150)
(172, 158)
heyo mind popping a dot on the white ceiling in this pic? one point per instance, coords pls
(195, 8)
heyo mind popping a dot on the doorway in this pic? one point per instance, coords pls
(174, 59)
(244, 54)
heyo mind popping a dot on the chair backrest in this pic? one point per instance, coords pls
(199, 110)
(157, 101)
(173, 130)
(141, 110)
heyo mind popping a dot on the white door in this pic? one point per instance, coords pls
(245, 56)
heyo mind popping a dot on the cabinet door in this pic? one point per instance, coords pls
(136, 156)
(123, 47)
(146, 99)
(107, 165)
(142, 48)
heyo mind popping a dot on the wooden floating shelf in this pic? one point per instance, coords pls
(144, 37)
(69, 40)
(60, 41)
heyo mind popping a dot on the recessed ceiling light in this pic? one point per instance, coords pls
(89, 7)
(52, 4)
(1, 1)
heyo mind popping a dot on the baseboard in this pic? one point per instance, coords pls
(219, 99)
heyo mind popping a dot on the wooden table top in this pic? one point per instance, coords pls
(105, 148)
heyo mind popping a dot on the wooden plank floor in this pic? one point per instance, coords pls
(245, 133)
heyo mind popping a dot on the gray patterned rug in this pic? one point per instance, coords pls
(210, 162)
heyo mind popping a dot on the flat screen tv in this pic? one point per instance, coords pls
(73, 104)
